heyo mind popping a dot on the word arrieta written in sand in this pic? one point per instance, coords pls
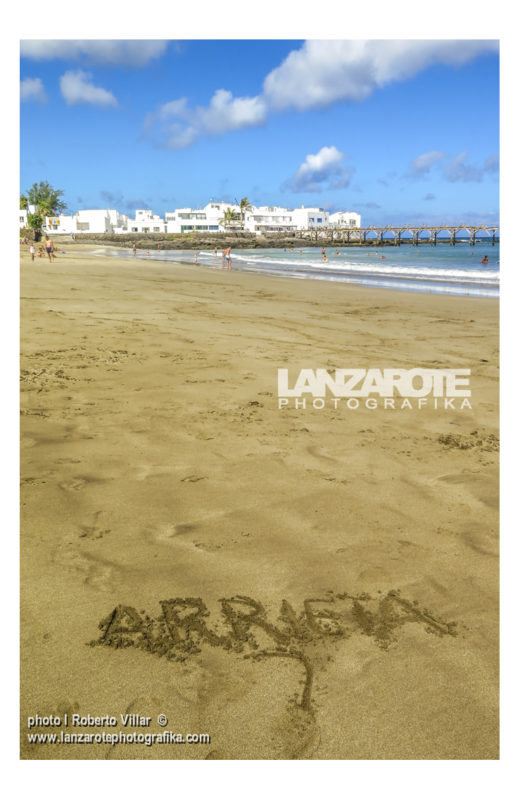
(376, 388)
(241, 625)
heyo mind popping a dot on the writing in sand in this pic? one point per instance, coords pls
(242, 626)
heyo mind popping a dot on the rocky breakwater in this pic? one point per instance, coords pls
(201, 241)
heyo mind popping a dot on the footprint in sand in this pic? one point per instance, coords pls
(94, 571)
(73, 485)
(94, 531)
(314, 451)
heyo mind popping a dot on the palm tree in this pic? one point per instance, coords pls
(245, 205)
(230, 216)
(46, 199)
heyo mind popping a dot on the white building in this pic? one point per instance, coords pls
(95, 220)
(310, 218)
(145, 222)
(210, 219)
(345, 219)
(269, 218)
(24, 212)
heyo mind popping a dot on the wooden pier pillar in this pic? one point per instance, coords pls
(452, 238)
(493, 239)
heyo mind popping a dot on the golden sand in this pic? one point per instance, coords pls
(318, 584)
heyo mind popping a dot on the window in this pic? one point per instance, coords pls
(156, 230)
(311, 219)
(319, 219)
(134, 230)
(83, 226)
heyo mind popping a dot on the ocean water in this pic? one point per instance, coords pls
(433, 270)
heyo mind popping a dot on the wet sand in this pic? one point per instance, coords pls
(316, 584)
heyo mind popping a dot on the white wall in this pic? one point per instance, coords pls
(145, 221)
(60, 224)
(312, 218)
(345, 219)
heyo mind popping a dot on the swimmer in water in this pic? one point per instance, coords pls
(485, 260)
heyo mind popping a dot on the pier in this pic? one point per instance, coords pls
(393, 234)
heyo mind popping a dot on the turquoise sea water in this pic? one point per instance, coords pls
(437, 270)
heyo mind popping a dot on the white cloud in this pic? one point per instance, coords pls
(455, 168)
(32, 89)
(123, 52)
(458, 169)
(77, 88)
(322, 170)
(420, 166)
(178, 126)
(325, 72)
(318, 74)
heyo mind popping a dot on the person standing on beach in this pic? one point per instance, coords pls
(226, 257)
(49, 247)
(31, 251)
(134, 250)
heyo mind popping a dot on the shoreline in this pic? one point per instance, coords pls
(350, 280)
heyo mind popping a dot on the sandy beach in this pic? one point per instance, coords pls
(296, 583)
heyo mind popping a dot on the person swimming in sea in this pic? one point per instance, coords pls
(485, 260)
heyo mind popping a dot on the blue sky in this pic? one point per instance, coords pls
(398, 131)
